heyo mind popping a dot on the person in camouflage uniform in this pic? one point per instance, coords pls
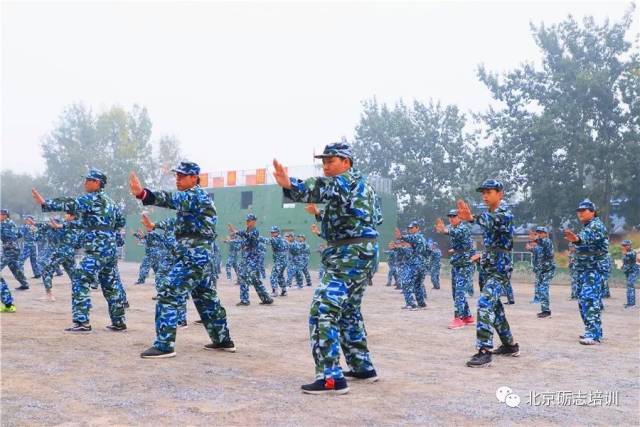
(305, 257)
(250, 263)
(497, 230)
(412, 276)
(195, 231)
(436, 257)
(6, 298)
(29, 251)
(100, 219)
(606, 293)
(461, 267)
(280, 250)
(152, 248)
(592, 248)
(10, 249)
(546, 268)
(536, 252)
(293, 270)
(631, 271)
(235, 245)
(68, 235)
(392, 274)
(348, 225)
(217, 260)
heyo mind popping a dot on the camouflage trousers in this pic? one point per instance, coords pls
(277, 275)
(491, 313)
(392, 275)
(460, 278)
(165, 265)
(304, 269)
(574, 283)
(190, 274)
(590, 302)
(631, 287)
(11, 258)
(150, 261)
(250, 276)
(606, 293)
(5, 293)
(120, 286)
(30, 251)
(54, 261)
(543, 280)
(293, 271)
(231, 263)
(412, 283)
(96, 268)
(507, 289)
(435, 275)
(335, 320)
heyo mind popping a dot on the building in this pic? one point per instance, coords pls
(236, 193)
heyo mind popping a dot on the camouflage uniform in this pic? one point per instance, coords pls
(590, 264)
(280, 249)
(69, 239)
(392, 274)
(30, 248)
(436, 256)
(167, 257)
(5, 294)
(349, 225)
(536, 253)
(151, 255)
(497, 230)
(11, 251)
(546, 271)
(412, 277)
(217, 260)
(607, 273)
(573, 273)
(293, 270)
(100, 219)
(250, 266)
(461, 267)
(195, 231)
(631, 271)
(262, 250)
(305, 256)
(232, 258)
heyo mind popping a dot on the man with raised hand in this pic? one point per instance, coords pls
(195, 230)
(348, 225)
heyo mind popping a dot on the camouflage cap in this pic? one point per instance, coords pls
(541, 229)
(300, 235)
(275, 229)
(96, 175)
(626, 242)
(336, 149)
(586, 204)
(187, 168)
(4, 211)
(413, 224)
(28, 217)
(251, 217)
(491, 184)
(453, 212)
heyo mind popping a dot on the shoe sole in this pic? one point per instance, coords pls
(364, 380)
(115, 330)
(228, 350)
(333, 392)
(162, 356)
(78, 332)
(486, 365)
(455, 327)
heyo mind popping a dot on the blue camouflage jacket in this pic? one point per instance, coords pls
(497, 236)
(592, 248)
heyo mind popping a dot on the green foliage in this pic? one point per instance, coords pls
(15, 190)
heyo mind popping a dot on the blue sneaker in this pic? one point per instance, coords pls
(327, 386)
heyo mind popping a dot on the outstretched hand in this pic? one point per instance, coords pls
(312, 209)
(315, 230)
(134, 184)
(146, 221)
(54, 224)
(464, 211)
(397, 234)
(281, 175)
(232, 229)
(570, 236)
(37, 197)
(440, 227)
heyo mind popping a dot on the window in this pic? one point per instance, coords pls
(246, 199)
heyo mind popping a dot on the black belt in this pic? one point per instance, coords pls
(590, 253)
(342, 242)
(101, 228)
(193, 236)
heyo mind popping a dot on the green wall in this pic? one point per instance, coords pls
(268, 207)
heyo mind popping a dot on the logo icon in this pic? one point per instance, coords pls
(505, 395)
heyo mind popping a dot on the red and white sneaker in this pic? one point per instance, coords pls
(456, 323)
(469, 320)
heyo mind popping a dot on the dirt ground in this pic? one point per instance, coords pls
(53, 378)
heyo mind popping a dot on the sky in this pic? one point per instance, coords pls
(242, 83)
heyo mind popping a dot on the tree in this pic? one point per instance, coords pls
(168, 155)
(15, 189)
(116, 141)
(423, 149)
(570, 129)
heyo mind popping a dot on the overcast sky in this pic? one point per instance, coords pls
(240, 83)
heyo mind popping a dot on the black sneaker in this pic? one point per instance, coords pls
(36, 277)
(423, 305)
(139, 283)
(198, 322)
(94, 287)
(327, 386)
(182, 325)
(481, 359)
(154, 353)
(507, 350)
(368, 376)
(510, 302)
(22, 288)
(79, 328)
(544, 314)
(59, 274)
(410, 307)
(283, 293)
(126, 304)
(266, 302)
(242, 303)
(223, 346)
(120, 327)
